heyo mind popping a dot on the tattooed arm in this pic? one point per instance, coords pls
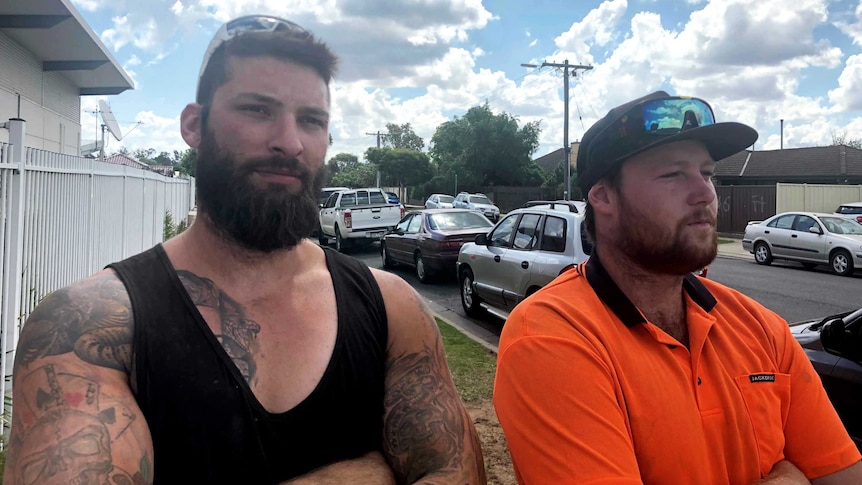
(75, 419)
(428, 435)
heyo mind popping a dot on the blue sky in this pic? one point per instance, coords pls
(425, 61)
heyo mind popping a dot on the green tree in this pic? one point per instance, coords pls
(145, 155)
(842, 139)
(403, 136)
(362, 175)
(188, 161)
(400, 167)
(484, 148)
(338, 164)
(163, 158)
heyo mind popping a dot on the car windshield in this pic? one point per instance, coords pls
(446, 199)
(837, 225)
(450, 221)
(480, 199)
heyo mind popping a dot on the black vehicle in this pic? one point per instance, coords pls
(834, 346)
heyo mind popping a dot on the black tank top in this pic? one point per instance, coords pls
(206, 424)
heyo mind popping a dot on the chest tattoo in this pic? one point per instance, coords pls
(236, 333)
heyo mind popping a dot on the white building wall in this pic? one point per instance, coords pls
(49, 101)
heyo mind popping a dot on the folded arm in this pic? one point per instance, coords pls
(74, 416)
(428, 434)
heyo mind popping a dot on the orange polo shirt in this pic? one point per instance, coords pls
(588, 391)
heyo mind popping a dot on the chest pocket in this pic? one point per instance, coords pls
(767, 398)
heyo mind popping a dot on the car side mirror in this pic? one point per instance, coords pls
(843, 336)
(815, 230)
(482, 240)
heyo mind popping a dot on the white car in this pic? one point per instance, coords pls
(850, 210)
(439, 201)
(807, 237)
(479, 203)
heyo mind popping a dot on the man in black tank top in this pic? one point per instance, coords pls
(238, 351)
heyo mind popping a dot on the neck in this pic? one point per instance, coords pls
(203, 247)
(658, 296)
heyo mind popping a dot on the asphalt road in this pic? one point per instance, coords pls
(786, 288)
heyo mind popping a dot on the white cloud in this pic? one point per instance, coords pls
(848, 95)
(597, 28)
(534, 42)
(853, 30)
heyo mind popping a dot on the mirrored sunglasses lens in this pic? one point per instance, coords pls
(668, 116)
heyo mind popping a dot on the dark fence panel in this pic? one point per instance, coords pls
(509, 198)
(738, 204)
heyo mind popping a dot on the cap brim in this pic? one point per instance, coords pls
(721, 139)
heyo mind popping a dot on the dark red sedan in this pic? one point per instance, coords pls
(430, 239)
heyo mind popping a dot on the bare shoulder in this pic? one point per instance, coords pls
(405, 308)
(75, 419)
(91, 319)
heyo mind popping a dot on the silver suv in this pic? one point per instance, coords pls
(850, 210)
(477, 202)
(525, 251)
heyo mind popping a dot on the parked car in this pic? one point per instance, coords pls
(525, 251)
(429, 240)
(356, 216)
(850, 210)
(834, 347)
(327, 191)
(439, 201)
(392, 198)
(807, 237)
(477, 202)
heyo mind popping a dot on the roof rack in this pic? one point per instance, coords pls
(553, 204)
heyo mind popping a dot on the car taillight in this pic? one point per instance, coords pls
(402, 211)
(348, 220)
(448, 244)
(859, 219)
(565, 269)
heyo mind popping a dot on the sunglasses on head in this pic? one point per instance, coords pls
(250, 23)
(662, 117)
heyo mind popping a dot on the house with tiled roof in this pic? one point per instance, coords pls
(837, 164)
(548, 163)
(120, 159)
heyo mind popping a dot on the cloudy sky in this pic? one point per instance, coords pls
(426, 61)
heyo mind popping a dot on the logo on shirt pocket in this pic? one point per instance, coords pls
(767, 399)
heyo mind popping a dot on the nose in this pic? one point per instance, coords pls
(702, 191)
(285, 139)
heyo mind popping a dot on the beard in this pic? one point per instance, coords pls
(262, 219)
(665, 250)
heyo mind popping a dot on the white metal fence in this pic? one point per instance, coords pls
(63, 218)
(814, 197)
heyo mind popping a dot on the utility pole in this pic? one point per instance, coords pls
(567, 149)
(380, 137)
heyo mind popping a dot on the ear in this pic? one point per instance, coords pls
(190, 124)
(602, 197)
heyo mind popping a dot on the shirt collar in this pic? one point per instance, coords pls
(611, 294)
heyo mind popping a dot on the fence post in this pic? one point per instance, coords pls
(11, 284)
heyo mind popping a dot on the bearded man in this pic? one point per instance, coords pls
(628, 369)
(239, 351)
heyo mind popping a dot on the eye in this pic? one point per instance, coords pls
(312, 120)
(255, 109)
(671, 175)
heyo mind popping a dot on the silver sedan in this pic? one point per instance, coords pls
(807, 237)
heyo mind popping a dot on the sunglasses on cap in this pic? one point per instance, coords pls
(250, 23)
(661, 117)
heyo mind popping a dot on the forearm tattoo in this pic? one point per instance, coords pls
(92, 319)
(237, 334)
(427, 431)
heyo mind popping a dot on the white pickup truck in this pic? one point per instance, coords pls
(357, 215)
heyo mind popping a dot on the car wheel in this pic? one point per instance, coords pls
(384, 253)
(762, 254)
(469, 299)
(841, 263)
(809, 266)
(422, 271)
(321, 237)
(340, 243)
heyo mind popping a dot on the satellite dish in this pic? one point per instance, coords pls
(109, 120)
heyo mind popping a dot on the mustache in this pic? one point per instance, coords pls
(277, 163)
(704, 215)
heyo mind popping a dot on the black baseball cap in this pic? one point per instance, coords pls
(651, 121)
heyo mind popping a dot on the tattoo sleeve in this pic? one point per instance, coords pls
(74, 418)
(428, 434)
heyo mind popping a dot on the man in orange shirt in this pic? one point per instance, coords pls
(628, 369)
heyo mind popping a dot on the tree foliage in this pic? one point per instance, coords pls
(362, 175)
(399, 166)
(402, 136)
(339, 163)
(484, 149)
(842, 139)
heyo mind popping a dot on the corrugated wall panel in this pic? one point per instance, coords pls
(815, 197)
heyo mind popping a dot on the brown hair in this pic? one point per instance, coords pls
(304, 50)
(612, 179)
